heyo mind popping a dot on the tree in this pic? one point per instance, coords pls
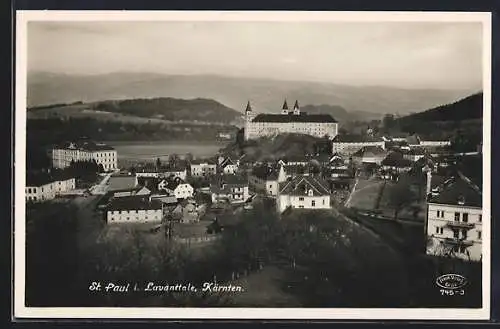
(158, 163)
(173, 159)
(400, 196)
(189, 157)
(389, 122)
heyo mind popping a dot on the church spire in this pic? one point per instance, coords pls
(296, 106)
(285, 105)
(249, 107)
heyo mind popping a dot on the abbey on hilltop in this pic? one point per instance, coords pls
(289, 121)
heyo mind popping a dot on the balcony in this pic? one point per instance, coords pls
(458, 242)
(458, 224)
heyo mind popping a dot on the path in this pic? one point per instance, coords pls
(101, 187)
(354, 191)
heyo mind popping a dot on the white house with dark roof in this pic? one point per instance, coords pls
(47, 186)
(304, 192)
(177, 187)
(265, 179)
(289, 121)
(454, 219)
(231, 188)
(350, 144)
(102, 154)
(134, 209)
(228, 166)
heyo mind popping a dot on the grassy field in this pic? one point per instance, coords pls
(365, 194)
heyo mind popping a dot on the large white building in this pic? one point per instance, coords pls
(303, 192)
(454, 219)
(295, 121)
(102, 154)
(46, 187)
(134, 209)
(177, 187)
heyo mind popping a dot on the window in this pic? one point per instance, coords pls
(270, 186)
(464, 234)
(441, 230)
(301, 198)
(438, 213)
(437, 230)
(313, 203)
(480, 218)
(465, 217)
(457, 216)
(479, 235)
(323, 202)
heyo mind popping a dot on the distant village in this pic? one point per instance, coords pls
(181, 193)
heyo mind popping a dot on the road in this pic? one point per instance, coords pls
(101, 187)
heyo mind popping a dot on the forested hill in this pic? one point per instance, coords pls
(468, 108)
(170, 109)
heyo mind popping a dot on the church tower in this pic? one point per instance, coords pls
(249, 116)
(296, 108)
(284, 109)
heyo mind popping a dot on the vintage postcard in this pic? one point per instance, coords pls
(252, 165)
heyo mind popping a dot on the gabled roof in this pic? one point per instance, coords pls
(369, 151)
(396, 159)
(203, 161)
(173, 183)
(84, 145)
(134, 203)
(300, 185)
(413, 140)
(313, 118)
(265, 172)
(43, 178)
(459, 191)
(351, 138)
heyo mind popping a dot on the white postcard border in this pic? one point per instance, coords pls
(21, 311)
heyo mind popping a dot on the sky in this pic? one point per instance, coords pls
(445, 55)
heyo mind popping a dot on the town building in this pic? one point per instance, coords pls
(177, 187)
(289, 121)
(304, 192)
(369, 154)
(228, 166)
(134, 209)
(203, 168)
(350, 144)
(454, 219)
(175, 171)
(102, 154)
(265, 179)
(47, 186)
(396, 163)
(414, 154)
(229, 188)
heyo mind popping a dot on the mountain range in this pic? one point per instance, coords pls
(265, 95)
(468, 108)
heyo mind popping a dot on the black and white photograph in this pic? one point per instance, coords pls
(270, 165)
